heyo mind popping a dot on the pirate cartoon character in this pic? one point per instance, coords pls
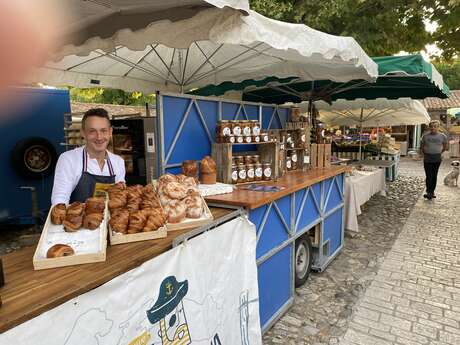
(169, 311)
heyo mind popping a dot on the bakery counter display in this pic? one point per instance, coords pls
(135, 214)
(73, 234)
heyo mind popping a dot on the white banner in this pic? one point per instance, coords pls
(202, 292)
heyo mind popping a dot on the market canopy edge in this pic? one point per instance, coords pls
(214, 46)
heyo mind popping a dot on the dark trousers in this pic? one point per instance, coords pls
(431, 173)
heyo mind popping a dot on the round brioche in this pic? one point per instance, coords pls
(59, 250)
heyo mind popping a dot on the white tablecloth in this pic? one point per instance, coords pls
(359, 188)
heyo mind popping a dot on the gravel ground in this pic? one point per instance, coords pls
(323, 306)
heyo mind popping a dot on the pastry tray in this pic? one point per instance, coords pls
(118, 238)
(89, 245)
(189, 223)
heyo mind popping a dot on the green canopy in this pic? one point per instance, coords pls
(399, 76)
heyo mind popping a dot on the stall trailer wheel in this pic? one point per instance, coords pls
(303, 259)
(34, 157)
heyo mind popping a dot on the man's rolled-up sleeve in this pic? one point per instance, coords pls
(63, 181)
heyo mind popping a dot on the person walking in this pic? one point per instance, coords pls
(433, 144)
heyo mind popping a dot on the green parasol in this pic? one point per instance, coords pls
(399, 76)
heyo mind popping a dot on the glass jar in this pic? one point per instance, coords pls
(288, 162)
(306, 158)
(246, 128)
(230, 139)
(256, 138)
(239, 160)
(258, 171)
(247, 159)
(264, 137)
(255, 159)
(294, 160)
(241, 173)
(250, 173)
(236, 128)
(255, 127)
(248, 139)
(239, 139)
(267, 171)
(224, 128)
(289, 140)
(301, 136)
(234, 173)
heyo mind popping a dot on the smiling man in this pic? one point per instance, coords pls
(79, 170)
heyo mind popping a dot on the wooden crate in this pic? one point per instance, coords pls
(320, 162)
(327, 155)
(222, 155)
(189, 223)
(320, 155)
(314, 155)
(117, 238)
(269, 152)
(40, 262)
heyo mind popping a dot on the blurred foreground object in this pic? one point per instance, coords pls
(26, 36)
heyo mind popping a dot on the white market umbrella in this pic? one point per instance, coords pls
(213, 46)
(89, 22)
(372, 113)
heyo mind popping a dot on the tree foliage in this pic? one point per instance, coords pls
(450, 72)
(110, 96)
(381, 27)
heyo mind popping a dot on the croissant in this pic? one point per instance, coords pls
(95, 205)
(135, 192)
(136, 222)
(92, 221)
(117, 187)
(59, 250)
(150, 203)
(119, 221)
(148, 189)
(153, 223)
(75, 209)
(58, 213)
(133, 206)
(72, 223)
(117, 200)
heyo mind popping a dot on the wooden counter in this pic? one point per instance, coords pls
(291, 182)
(28, 293)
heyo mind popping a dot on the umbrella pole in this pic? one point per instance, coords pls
(360, 133)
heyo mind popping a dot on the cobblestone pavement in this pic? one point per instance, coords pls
(415, 296)
(324, 308)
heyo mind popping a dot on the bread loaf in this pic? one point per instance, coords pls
(208, 165)
(190, 168)
(59, 250)
(208, 171)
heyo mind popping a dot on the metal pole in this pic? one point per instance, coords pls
(360, 132)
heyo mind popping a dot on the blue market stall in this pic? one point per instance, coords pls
(308, 205)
